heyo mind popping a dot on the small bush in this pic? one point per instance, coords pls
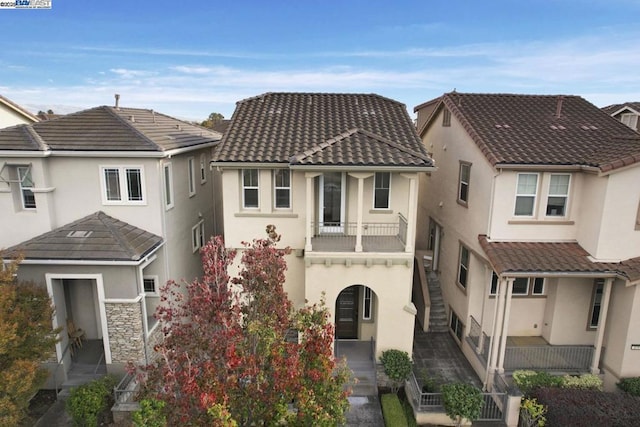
(428, 384)
(87, 401)
(534, 412)
(630, 385)
(584, 381)
(462, 401)
(392, 411)
(397, 364)
(527, 381)
(151, 414)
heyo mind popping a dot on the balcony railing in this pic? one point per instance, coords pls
(549, 358)
(376, 236)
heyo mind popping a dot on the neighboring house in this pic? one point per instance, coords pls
(533, 218)
(627, 113)
(13, 114)
(106, 205)
(337, 174)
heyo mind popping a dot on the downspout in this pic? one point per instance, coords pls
(491, 201)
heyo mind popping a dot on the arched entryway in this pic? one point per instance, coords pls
(355, 313)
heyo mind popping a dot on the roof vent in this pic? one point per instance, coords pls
(558, 127)
(178, 126)
(79, 233)
(559, 106)
(504, 126)
(589, 127)
(132, 118)
(153, 114)
(117, 101)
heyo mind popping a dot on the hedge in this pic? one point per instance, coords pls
(392, 411)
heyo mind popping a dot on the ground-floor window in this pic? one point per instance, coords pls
(456, 325)
(596, 303)
(367, 304)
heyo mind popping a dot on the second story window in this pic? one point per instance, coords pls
(203, 168)
(168, 185)
(26, 184)
(122, 185)
(382, 187)
(463, 183)
(558, 193)
(630, 120)
(191, 178)
(282, 188)
(526, 194)
(463, 268)
(446, 117)
(250, 188)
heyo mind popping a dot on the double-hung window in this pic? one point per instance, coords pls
(203, 168)
(596, 304)
(456, 325)
(521, 285)
(198, 238)
(381, 190)
(282, 188)
(26, 185)
(630, 119)
(463, 268)
(558, 194)
(191, 178)
(463, 183)
(250, 188)
(122, 185)
(526, 194)
(168, 185)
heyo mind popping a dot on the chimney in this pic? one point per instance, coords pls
(117, 101)
(559, 106)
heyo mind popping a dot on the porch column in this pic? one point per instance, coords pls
(485, 296)
(505, 324)
(309, 176)
(604, 308)
(360, 207)
(497, 326)
(413, 212)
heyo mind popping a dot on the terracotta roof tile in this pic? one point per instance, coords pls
(322, 128)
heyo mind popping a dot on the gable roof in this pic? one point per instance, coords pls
(312, 129)
(563, 130)
(97, 237)
(108, 129)
(18, 109)
(615, 109)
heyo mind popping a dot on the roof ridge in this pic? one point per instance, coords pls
(394, 145)
(322, 145)
(35, 137)
(116, 233)
(130, 126)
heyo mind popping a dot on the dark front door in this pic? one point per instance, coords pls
(347, 314)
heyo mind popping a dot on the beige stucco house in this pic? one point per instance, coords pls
(106, 205)
(13, 114)
(337, 174)
(627, 113)
(533, 220)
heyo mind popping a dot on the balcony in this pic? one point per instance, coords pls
(343, 237)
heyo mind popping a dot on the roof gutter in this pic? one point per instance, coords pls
(578, 168)
(562, 274)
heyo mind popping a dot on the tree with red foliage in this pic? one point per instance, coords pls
(225, 358)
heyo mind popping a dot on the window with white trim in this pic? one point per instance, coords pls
(367, 304)
(456, 325)
(522, 286)
(168, 185)
(630, 119)
(203, 168)
(282, 188)
(381, 190)
(596, 304)
(122, 185)
(198, 238)
(463, 183)
(463, 266)
(558, 194)
(150, 284)
(191, 178)
(26, 185)
(526, 191)
(250, 188)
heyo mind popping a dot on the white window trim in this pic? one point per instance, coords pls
(22, 188)
(122, 182)
(276, 188)
(169, 202)
(202, 235)
(533, 286)
(203, 168)
(367, 300)
(566, 196)
(466, 267)
(373, 201)
(526, 292)
(197, 236)
(467, 182)
(155, 285)
(597, 283)
(534, 195)
(530, 287)
(257, 187)
(632, 122)
(191, 176)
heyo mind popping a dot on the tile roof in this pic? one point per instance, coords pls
(20, 110)
(552, 257)
(109, 129)
(322, 128)
(97, 237)
(611, 109)
(543, 130)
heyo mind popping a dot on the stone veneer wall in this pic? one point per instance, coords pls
(154, 338)
(124, 323)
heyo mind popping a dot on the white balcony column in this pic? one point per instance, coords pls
(360, 207)
(309, 176)
(505, 324)
(602, 321)
(412, 214)
(485, 297)
(497, 325)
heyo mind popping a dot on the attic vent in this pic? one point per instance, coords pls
(178, 126)
(276, 110)
(559, 127)
(132, 118)
(589, 127)
(369, 112)
(79, 233)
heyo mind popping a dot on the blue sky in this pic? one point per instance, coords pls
(188, 59)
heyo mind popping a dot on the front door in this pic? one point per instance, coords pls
(331, 204)
(347, 314)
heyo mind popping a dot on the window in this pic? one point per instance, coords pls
(463, 182)
(168, 186)
(463, 270)
(367, 303)
(558, 192)
(150, 284)
(192, 176)
(282, 188)
(446, 117)
(494, 283)
(538, 286)
(381, 187)
(198, 239)
(521, 285)
(26, 185)
(122, 185)
(203, 169)
(526, 194)
(250, 197)
(630, 120)
(596, 304)
(456, 326)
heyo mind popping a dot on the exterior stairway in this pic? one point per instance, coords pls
(437, 315)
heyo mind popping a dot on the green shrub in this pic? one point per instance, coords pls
(461, 401)
(528, 381)
(397, 364)
(87, 401)
(151, 414)
(392, 411)
(534, 412)
(630, 385)
(584, 381)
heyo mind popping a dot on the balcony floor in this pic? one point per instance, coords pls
(348, 244)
